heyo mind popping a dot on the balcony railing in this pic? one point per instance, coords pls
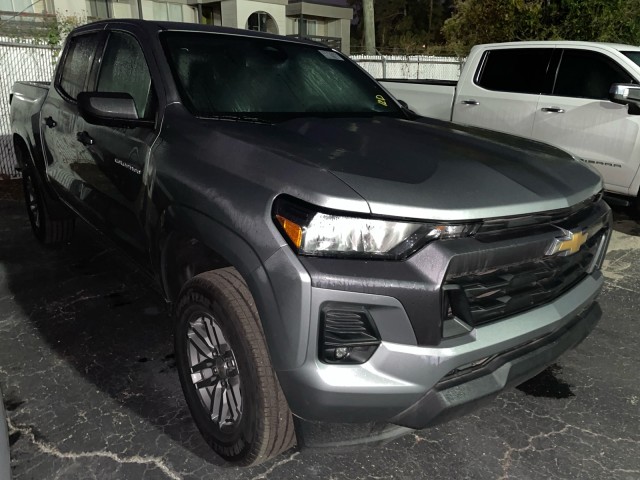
(25, 24)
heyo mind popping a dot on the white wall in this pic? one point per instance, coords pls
(189, 14)
(69, 8)
(147, 9)
(346, 36)
(122, 10)
(229, 11)
(291, 26)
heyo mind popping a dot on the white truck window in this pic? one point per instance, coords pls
(633, 56)
(518, 70)
(585, 74)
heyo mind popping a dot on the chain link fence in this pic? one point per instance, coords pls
(24, 60)
(411, 67)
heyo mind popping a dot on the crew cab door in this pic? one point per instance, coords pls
(578, 117)
(504, 91)
(118, 155)
(64, 155)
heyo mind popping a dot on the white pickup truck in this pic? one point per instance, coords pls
(583, 97)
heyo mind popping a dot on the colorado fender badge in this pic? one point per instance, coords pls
(569, 244)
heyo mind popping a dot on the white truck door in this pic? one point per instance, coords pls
(579, 118)
(502, 94)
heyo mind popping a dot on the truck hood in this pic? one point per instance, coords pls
(429, 169)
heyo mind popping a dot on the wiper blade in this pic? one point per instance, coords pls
(238, 118)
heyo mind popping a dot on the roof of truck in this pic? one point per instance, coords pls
(194, 27)
(564, 43)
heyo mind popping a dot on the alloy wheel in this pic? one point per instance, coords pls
(214, 371)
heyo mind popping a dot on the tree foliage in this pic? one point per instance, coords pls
(485, 21)
(413, 26)
(405, 26)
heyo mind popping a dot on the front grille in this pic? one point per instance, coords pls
(573, 216)
(484, 297)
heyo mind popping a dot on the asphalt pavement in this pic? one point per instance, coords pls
(91, 389)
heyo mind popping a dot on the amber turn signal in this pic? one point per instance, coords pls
(292, 229)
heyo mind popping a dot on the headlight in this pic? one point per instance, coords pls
(332, 234)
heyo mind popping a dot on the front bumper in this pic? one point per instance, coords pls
(459, 395)
(424, 371)
(409, 384)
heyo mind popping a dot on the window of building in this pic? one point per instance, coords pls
(160, 11)
(124, 69)
(25, 6)
(99, 8)
(77, 64)
(175, 12)
(262, 22)
(167, 11)
(211, 14)
(309, 27)
(518, 70)
(585, 74)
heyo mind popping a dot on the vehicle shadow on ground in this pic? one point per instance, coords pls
(626, 220)
(99, 313)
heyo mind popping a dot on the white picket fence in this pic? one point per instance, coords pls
(411, 67)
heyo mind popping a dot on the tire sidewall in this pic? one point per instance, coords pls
(196, 302)
(28, 175)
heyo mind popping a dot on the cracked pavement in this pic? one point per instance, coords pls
(91, 390)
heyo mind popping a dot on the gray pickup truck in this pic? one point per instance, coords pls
(341, 271)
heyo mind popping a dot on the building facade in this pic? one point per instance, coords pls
(324, 23)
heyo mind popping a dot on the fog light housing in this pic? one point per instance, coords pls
(347, 335)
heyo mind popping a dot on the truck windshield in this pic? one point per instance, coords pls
(633, 56)
(227, 75)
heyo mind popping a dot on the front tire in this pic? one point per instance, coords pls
(229, 384)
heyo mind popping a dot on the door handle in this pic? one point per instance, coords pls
(553, 110)
(470, 102)
(84, 138)
(50, 122)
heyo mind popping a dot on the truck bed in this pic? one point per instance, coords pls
(30, 90)
(429, 98)
(26, 98)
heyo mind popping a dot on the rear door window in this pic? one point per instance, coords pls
(517, 70)
(77, 64)
(585, 74)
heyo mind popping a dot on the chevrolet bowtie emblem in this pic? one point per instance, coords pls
(569, 243)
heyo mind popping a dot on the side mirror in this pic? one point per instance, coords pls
(110, 109)
(626, 94)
